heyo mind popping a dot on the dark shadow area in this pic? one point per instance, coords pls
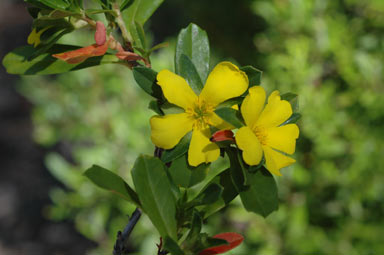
(24, 181)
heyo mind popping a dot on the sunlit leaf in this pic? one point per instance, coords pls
(193, 42)
(155, 194)
(16, 62)
(108, 180)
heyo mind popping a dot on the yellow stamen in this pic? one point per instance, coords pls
(201, 113)
(261, 134)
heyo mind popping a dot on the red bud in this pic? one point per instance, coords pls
(222, 135)
(100, 34)
(233, 239)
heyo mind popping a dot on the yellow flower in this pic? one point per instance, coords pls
(34, 37)
(224, 82)
(263, 133)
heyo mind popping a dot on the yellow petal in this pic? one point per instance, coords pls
(176, 90)
(253, 105)
(250, 145)
(166, 131)
(224, 82)
(275, 112)
(275, 160)
(283, 138)
(219, 123)
(201, 149)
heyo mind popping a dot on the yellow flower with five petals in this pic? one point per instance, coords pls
(224, 82)
(263, 133)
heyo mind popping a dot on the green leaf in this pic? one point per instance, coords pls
(230, 102)
(146, 79)
(293, 119)
(229, 193)
(140, 10)
(254, 75)
(154, 106)
(184, 175)
(155, 194)
(16, 62)
(180, 149)
(193, 42)
(188, 70)
(195, 228)
(238, 171)
(110, 181)
(54, 4)
(138, 35)
(231, 116)
(172, 247)
(261, 196)
(208, 196)
(215, 169)
(293, 99)
(125, 4)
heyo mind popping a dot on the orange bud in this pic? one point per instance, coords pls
(128, 56)
(100, 34)
(233, 239)
(222, 135)
(79, 55)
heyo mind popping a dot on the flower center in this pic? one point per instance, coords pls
(200, 113)
(261, 134)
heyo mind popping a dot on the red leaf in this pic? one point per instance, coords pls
(79, 55)
(222, 135)
(100, 34)
(233, 239)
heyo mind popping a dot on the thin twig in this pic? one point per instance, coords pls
(120, 247)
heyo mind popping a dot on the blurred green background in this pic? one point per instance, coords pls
(330, 52)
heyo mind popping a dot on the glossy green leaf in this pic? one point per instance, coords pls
(293, 119)
(215, 169)
(261, 196)
(231, 116)
(238, 172)
(180, 149)
(229, 193)
(16, 62)
(188, 70)
(138, 35)
(54, 4)
(155, 194)
(184, 175)
(140, 10)
(172, 247)
(195, 228)
(125, 4)
(209, 195)
(154, 106)
(230, 102)
(110, 181)
(254, 75)
(293, 99)
(146, 79)
(193, 42)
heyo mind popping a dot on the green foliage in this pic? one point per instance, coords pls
(193, 42)
(19, 61)
(153, 188)
(231, 116)
(139, 10)
(108, 180)
(188, 70)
